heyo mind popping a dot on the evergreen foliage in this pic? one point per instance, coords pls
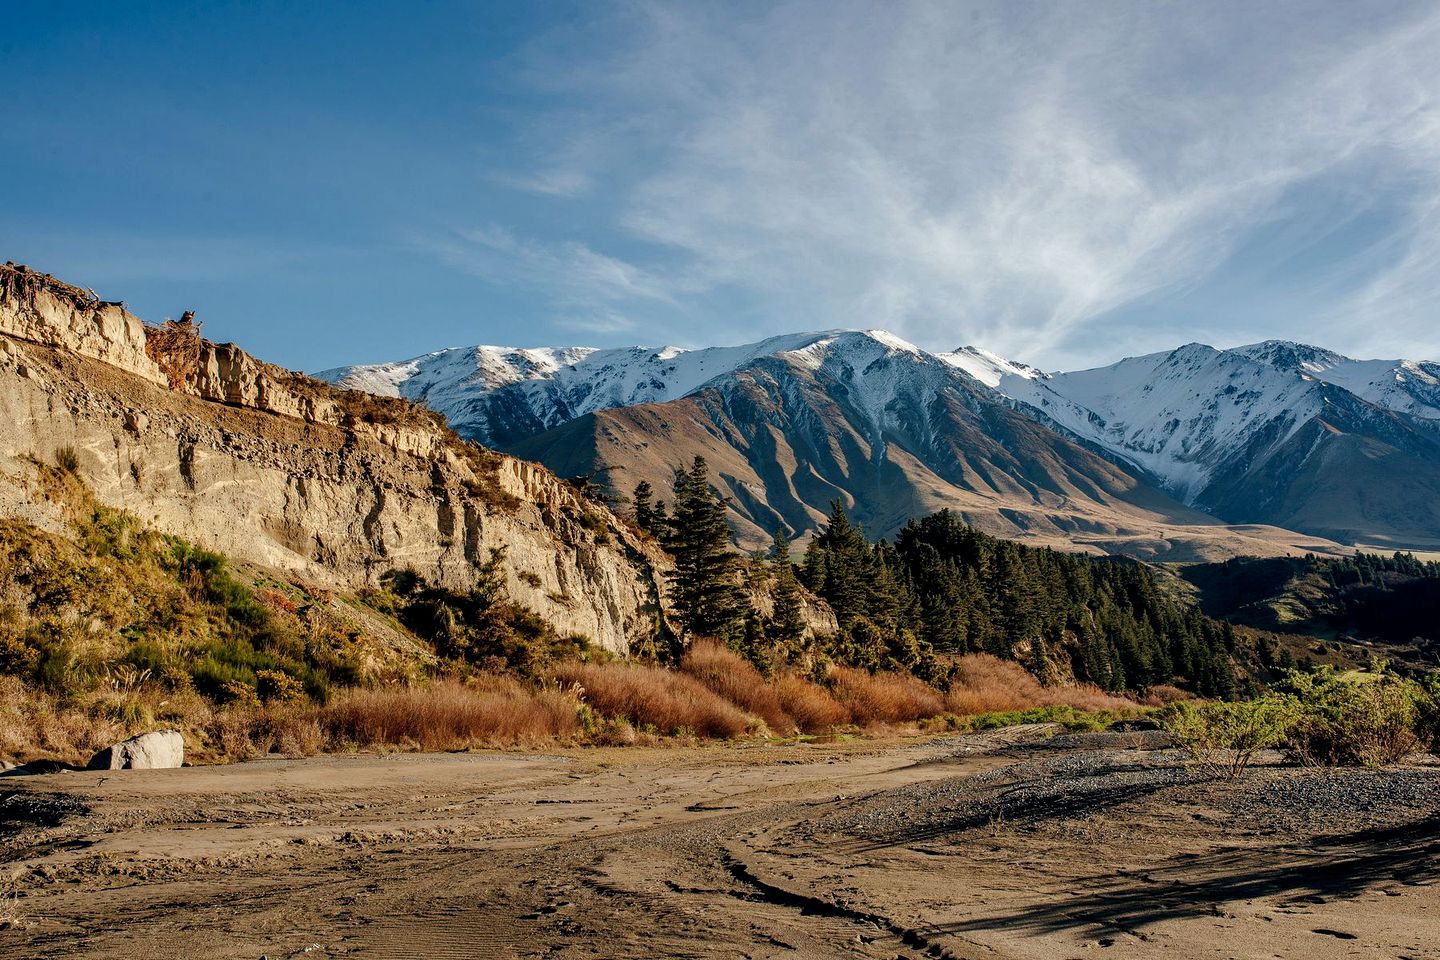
(643, 503)
(787, 625)
(707, 592)
(945, 587)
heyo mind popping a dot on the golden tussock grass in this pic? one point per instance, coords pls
(447, 715)
(731, 676)
(876, 698)
(652, 697)
(815, 710)
(986, 684)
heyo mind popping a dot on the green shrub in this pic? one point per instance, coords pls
(1223, 738)
(276, 686)
(1428, 724)
(1365, 719)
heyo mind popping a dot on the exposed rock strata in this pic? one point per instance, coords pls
(271, 467)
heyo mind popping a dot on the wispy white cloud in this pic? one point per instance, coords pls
(570, 272)
(1000, 173)
(554, 182)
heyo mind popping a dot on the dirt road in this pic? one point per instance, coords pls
(998, 845)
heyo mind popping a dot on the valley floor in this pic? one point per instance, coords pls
(997, 845)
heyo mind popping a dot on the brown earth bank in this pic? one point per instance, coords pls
(1010, 843)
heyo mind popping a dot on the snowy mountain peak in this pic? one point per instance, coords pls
(482, 389)
(1289, 355)
(1406, 386)
(989, 368)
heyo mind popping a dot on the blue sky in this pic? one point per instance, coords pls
(329, 183)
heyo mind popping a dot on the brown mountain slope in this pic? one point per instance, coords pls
(783, 440)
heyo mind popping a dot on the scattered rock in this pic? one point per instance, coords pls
(149, 751)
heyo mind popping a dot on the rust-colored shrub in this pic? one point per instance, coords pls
(733, 677)
(875, 698)
(812, 706)
(987, 684)
(1163, 694)
(656, 698)
(447, 715)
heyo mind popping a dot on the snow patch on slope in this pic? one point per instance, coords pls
(989, 368)
(1406, 386)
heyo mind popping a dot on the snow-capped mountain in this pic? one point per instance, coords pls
(1270, 433)
(1180, 415)
(501, 395)
(1274, 432)
(1407, 386)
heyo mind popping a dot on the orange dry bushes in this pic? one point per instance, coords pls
(733, 677)
(654, 697)
(987, 684)
(812, 706)
(447, 715)
(875, 698)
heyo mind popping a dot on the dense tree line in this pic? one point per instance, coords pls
(939, 588)
(946, 587)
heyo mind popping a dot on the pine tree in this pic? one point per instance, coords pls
(707, 594)
(812, 570)
(780, 550)
(788, 623)
(644, 506)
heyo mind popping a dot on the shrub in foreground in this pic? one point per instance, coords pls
(1223, 738)
(1364, 719)
(731, 676)
(447, 715)
(873, 698)
(983, 683)
(655, 698)
(815, 710)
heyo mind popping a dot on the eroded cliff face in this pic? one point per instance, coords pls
(203, 441)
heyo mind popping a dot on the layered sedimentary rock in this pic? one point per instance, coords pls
(203, 441)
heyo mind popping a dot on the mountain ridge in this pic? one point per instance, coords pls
(1219, 431)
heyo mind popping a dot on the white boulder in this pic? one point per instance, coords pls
(149, 751)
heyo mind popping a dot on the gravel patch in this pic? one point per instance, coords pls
(1074, 794)
(20, 810)
(1329, 800)
(1054, 790)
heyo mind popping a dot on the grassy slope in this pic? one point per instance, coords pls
(115, 629)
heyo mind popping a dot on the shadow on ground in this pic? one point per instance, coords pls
(1331, 868)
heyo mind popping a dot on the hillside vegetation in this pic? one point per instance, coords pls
(943, 588)
(1368, 599)
(109, 629)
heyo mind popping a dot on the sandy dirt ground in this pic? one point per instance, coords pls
(998, 845)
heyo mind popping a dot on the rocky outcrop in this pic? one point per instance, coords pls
(39, 308)
(203, 441)
(161, 750)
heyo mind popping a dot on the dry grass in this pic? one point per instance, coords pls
(987, 684)
(1163, 694)
(447, 715)
(11, 916)
(733, 677)
(812, 706)
(654, 698)
(876, 698)
(37, 726)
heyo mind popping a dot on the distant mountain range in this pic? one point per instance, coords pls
(1192, 453)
